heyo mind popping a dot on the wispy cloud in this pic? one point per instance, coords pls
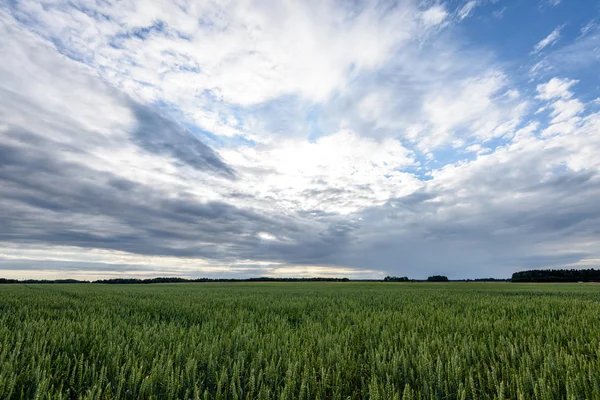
(573, 58)
(549, 40)
(467, 9)
(587, 28)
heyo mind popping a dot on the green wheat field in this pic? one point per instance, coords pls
(300, 341)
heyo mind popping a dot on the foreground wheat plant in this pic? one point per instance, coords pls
(300, 341)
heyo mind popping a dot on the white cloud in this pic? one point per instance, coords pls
(467, 9)
(499, 13)
(555, 88)
(564, 110)
(476, 107)
(548, 40)
(243, 53)
(343, 172)
(540, 67)
(296, 49)
(431, 95)
(587, 28)
(434, 16)
(478, 149)
(266, 236)
(52, 86)
(474, 148)
(448, 110)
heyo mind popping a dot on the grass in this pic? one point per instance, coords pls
(300, 341)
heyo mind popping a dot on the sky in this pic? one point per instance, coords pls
(359, 139)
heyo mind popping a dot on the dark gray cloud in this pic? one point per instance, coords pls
(49, 201)
(50, 269)
(68, 266)
(162, 136)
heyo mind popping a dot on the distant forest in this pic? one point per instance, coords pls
(557, 275)
(547, 275)
(121, 281)
(175, 280)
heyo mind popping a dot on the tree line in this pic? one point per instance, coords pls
(122, 281)
(557, 275)
(543, 275)
(172, 280)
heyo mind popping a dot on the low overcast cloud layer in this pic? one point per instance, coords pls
(329, 138)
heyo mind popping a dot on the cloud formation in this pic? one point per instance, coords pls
(353, 139)
(548, 40)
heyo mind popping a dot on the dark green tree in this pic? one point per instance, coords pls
(437, 278)
(395, 279)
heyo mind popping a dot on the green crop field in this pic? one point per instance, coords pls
(300, 341)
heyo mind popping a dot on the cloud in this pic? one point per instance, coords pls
(342, 172)
(466, 10)
(242, 53)
(217, 65)
(56, 262)
(548, 40)
(587, 28)
(430, 95)
(258, 138)
(579, 57)
(52, 202)
(555, 88)
(163, 136)
(564, 109)
(434, 16)
(528, 204)
(133, 182)
(478, 104)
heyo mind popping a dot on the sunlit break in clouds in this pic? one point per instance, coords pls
(350, 139)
